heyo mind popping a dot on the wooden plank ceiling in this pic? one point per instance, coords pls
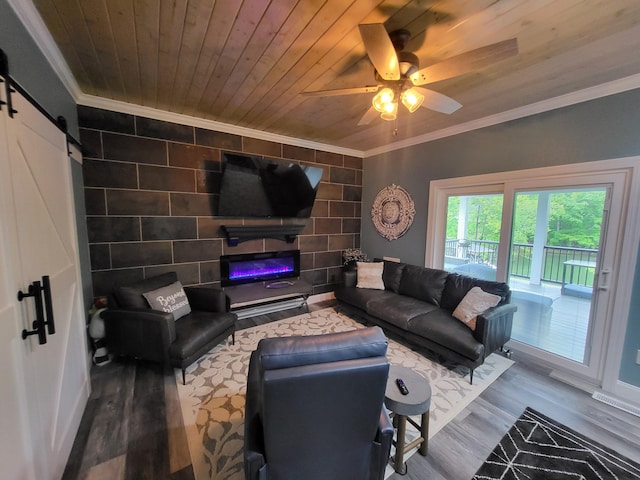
(245, 62)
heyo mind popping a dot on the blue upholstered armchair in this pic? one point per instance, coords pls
(315, 410)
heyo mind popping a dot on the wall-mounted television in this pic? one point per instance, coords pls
(255, 186)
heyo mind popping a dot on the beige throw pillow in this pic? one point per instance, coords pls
(473, 304)
(170, 299)
(370, 275)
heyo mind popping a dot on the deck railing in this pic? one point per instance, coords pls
(554, 258)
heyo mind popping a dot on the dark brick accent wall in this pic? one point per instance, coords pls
(150, 187)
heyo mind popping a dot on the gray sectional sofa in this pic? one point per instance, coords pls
(417, 304)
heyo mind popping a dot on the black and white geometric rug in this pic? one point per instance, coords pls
(537, 447)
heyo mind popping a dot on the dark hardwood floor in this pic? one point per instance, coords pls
(132, 426)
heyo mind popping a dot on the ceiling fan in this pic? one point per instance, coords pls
(398, 73)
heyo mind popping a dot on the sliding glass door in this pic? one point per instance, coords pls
(555, 240)
(554, 252)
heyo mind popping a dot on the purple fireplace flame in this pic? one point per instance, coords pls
(258, 267)
(269, 268)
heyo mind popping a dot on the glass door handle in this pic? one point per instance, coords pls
(603, 279)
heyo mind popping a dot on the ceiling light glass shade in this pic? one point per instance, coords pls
(412, 99)
(382, 98)
(390, 111)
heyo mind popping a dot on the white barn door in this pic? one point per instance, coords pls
(44, 387)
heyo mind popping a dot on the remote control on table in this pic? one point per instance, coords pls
(402, 387)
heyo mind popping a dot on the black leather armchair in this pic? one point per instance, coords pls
(314, 408)
(134, 329)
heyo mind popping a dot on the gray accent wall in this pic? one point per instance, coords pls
(29, 67)
(605, 128)
(151, 188)
(630, 371)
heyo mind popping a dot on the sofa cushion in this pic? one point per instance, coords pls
(457, 286)
(473, 304)
(440, 327)
(370, 275)
(359, 297)
(398, 309)
(423, 283)
(196, 330)
(130, 296)
(392, 274)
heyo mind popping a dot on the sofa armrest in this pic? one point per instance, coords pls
(493, 327)
(140, 332)
(350, 278)
(208, 299)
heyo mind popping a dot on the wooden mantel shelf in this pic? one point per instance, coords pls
(240, 233)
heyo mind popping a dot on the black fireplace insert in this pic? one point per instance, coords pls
(259, 267)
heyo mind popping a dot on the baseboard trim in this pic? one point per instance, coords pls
(580, 383)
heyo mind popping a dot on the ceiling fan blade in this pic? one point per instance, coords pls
(369, 116)
(341, 91)
(437, 101)
(466, 62)
(380, 50)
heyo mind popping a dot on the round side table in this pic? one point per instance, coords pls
(417, 402)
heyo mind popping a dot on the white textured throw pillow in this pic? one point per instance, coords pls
(473, 304)
(370, 275)
(170, 299)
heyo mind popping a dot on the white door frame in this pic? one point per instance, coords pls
(629, 239)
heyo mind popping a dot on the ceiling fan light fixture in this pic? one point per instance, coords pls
(390, 111)
(412, 99)
(383, 98)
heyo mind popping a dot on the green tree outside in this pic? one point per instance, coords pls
(575, 218)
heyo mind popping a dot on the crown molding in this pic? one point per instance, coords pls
(32, 21)
(610, 88)
(164, 115)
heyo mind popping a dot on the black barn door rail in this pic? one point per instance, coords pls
(11, 86)
(4, 73)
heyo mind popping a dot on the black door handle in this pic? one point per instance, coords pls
(48, 305)
(36, 290)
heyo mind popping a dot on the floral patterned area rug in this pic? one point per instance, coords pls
(212, 401)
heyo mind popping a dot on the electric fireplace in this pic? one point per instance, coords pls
(259, 267)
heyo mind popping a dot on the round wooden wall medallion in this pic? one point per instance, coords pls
(392, 212)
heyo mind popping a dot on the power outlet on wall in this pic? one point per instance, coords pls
(638, 357)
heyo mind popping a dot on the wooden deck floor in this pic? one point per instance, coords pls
(564, 333)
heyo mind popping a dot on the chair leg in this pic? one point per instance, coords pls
(183, 377)
(506, 351)
(233, 338)
(471, 376)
